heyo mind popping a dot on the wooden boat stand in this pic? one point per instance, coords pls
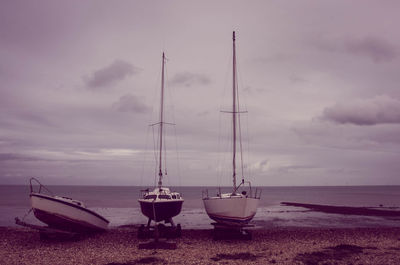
(159, 230)
(224, 231)
(159, 234)
(46, 232)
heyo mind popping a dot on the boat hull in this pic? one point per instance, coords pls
(231, 210)
(164, 210)
(66, 216)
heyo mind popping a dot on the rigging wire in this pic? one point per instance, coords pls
(26, 214)
(249, 173)
(155, 152)
(245, 169)
(165, 155)
(239, 122)
(224, 146)
(240, 133)
(154, 113)
(144, 160)
(166, 88)
(170, 97)
(177, 158)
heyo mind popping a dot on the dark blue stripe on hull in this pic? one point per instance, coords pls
(164, 210)
(64, 223)
(46, 197)
(220, 219)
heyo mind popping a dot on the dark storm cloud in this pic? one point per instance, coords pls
(374, 48)
(18, 157)
(9, 141)
(188, 79)
(377, 49)
(39, 119)
(378, 110)
(297, 79)
(129, 103)
(111, 74)
(25, 120)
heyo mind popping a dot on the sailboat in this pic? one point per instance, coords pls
(161, 204)
(239, 206)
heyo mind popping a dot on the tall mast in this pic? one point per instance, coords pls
(234, 114)
(160, 174)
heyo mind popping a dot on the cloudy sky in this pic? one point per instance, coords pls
(80, 80)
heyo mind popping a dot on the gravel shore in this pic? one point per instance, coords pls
(272, 246)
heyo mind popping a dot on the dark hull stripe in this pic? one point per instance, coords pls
(65, 223)
(69, 204)
(239, 220)
(164, 210)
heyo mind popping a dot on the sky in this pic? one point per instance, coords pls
(80, 84)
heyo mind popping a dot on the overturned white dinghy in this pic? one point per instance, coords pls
(65, 213)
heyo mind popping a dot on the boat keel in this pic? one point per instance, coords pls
(159, 230)
(225, 232)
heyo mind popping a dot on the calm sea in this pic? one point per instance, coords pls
(120, 206)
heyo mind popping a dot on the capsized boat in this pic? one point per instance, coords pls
(64, 213)
(161, 204)
(239, 206)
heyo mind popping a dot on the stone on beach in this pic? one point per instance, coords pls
(268, 246)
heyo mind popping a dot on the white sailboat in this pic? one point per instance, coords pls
(233, 208)
(161, 204)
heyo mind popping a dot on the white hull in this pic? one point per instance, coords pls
(230, 210)
(66, 214)
(233, 208)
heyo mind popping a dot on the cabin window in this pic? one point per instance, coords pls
(164, 196)
(150, 197)
(173, 197)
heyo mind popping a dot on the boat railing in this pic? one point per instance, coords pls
(257, 193)
(253, 193)
(204, 194)
(41, 186)
(144, 192)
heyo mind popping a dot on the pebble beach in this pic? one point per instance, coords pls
(268, 246)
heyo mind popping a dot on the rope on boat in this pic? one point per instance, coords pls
(156, 235)
(26, 214)
(155, 158)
